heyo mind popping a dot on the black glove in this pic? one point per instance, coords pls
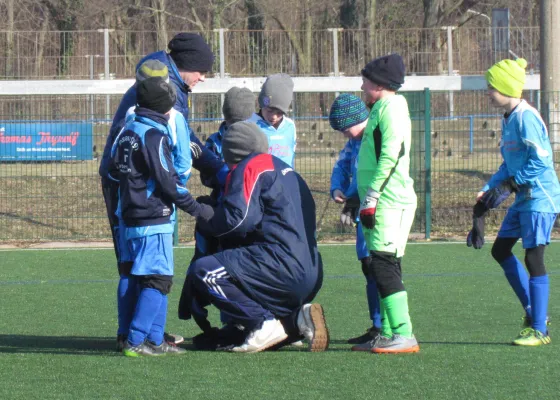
(349, 212)
(494, 197)
(475, 238)
(207, 199)
(206, 212)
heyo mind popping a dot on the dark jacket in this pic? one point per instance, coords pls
(148, 181)
(267, 219)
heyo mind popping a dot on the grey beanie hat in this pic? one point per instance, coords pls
(152, 69)
(242, 139)
(277, 92)
(239, 105)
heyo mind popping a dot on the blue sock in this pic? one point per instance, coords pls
(127, 295)
(147, 309)
(539, 287)
(373, 303)
(518, 280)
(158, 326)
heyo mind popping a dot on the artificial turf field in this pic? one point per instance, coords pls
(58, 322)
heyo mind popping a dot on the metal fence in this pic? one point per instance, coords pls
(451, 160)
(109, 53)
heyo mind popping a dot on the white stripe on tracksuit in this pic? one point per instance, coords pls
(210, 280)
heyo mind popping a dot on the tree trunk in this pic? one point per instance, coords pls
(10, 40)
(41, 45)
(160, 21)
(372, 13)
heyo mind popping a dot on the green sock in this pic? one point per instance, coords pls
(385, 325)
(396, 308)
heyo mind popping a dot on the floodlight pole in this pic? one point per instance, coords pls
(550, 68)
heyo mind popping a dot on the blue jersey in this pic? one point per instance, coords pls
(214, 141)
(343, 176)
(528, 157)
(281, 140)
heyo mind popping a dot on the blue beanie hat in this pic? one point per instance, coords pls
(347, 111)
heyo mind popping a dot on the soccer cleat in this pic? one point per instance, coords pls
(143, 349)
(312, 325)
(370, 334)
(166, 348)
(121, 341)
(270, 333)
(528, 321)
(172, 338)
(370, 344)
(531, 337)
(396, 344)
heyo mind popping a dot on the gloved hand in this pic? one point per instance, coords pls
(206, 212)
(350, 211)
(496, 196)
(475, 238)
(207, 199)
(368, 208)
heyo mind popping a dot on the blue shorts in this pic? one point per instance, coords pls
(123, 253)
(361, 247)
(152, 255)
(534, 228)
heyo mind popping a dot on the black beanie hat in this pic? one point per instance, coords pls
(191, 53)
(156, 94)
(387, 71)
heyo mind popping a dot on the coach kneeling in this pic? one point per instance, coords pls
(269, 266)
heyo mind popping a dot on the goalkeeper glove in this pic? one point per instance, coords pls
(494, 197)
(368, 208)
(475, 238)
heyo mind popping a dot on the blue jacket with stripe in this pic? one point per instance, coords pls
(527, 155)
(148, 182)
(267, 221)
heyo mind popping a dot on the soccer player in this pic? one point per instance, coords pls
(527, 170)
(388, 200)
(270, 267)
(275, 98)
(349, 116)
(239, 105)
(149, 188)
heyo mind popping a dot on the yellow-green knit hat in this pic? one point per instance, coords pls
(508, 77)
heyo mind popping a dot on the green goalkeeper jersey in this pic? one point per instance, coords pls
(384, 158)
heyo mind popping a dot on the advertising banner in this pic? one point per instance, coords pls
(46, 140)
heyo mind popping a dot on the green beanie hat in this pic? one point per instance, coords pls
(508, 77)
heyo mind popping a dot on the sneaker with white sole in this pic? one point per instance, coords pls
(173, 338)
(312, 325)
(270, 333)
(396, 344)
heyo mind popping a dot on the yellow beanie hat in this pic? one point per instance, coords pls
(508, 77)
